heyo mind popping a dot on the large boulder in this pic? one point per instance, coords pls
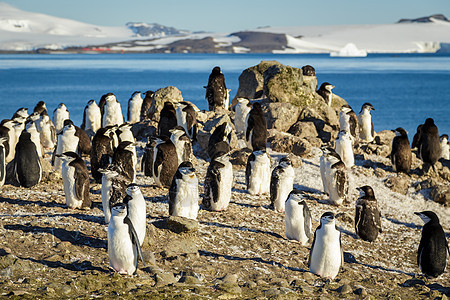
(162, 95)
(280, 116)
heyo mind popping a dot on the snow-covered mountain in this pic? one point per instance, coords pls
(27, 31)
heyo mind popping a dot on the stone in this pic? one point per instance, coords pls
(398, 184)
(384, 137)
(230, 278)
(304, 129)
(301, 147)
(181, 224)
(345, 289)
(251, 82)
(144, 129)
(179, 247)
(162, 95)
(380, 173)
(209, 127)
(232, 288)
(441, 194)
(280, 116)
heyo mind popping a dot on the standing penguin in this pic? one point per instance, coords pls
(30, 126)
(47, 131)
(220, 139)
(256, 128)
(7, 130)
(165, 161)
(242, 109)
(137, 210)
(3, 143)
(27, 164)
(167, 119)
(257, 173)
(429, 145)
(345, 149)
(218, 183)
(59, 115)
(92, 118)
(401, 156)
(183, 192)
(112, 112)
(182, 143)
(84, 142)
(113, 189)
(325, 91)
(123, 157)
(433, 247)
(366, 129)
(123, 242)
(367, 215)
(67, 141)
(146, 103)
(102, 151)
(348, 121)
(75, 177)
(445, 147)
(134, 108)
(147, 158)
(326, 255)
(416, 137)
(187, 118)
(281, 184)
(216, 90)
(334, 176)
(297, 219)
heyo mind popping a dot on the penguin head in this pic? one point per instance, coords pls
(112, 170)
(136, 94)
(40, 106)
(133, 189)
(327, 218)
(177, 131)
(21, 113)
(343, 134)
(68, 126)
(428, 216)
(149, 94)
(68, 156)
(61, 106)
(243, 101)
(296, 196)
(285, 162)
(119, 210)
(400, 132)
(308, 70)
(110, 97)
(30, 125)
(429, 122)
(367, 106)
(216, 70)
(187, 169)
(444, 138)
(326, 86)
(366, 192)
(34, 116)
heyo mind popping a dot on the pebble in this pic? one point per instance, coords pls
(345, 289)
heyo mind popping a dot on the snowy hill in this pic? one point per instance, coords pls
(27, 31)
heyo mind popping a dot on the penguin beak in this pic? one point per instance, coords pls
(417, 213)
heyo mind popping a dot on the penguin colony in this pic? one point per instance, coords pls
(110, 145)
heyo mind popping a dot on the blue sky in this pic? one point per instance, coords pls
(233, 15)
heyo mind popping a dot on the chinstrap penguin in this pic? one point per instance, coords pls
(3, 143)
(47, 131)
(433, 247)
(146, 103)
(344, 147)
(334, 176)
(429, 146)
(75, 177)
(348, 121)
(366, 129)
(187, 118)
(297, 219)
(220, 140)
(113, 189)
(242, 109)
(40, 108)
(182, 143)
(60, 114)
(123, 242)
(218, 183)
(216, 90)
(326, 255)
(112, 111)
(30, 127)
(102, 151)
(325, 91)
(367, 215)
(137, 210)
(401, 155)
(257, 173)
(445, 147)
(183, 192)
(134, 107)
(256, 128)
(7, 131)
(147, 158)
(123, 157)
(67, 141)
(165, 161)
(27, 164)
(92, 118)
(281, 184)
(167, 119)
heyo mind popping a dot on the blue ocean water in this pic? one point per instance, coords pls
(405, 89)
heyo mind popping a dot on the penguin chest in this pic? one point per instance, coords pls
(135, 110)
(325, 166)
(113, 115)
(284, 186)
(345, 150)
(121, 251)
(137, 212)
(93, 119)
(295, 222)
(186, 199)
(106, 195)
(326, 254)
(240, 117)
(181, 119)
(259, 175)
(68, 176)
(224, 185)
(365, 122)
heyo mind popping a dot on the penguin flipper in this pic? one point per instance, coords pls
(80, 187)
(307, 219)
(274, 180)
(372, 130)
(134, 238)
(2, 164)
(312, 248)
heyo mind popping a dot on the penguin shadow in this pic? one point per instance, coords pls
(83, 217)
(432, 286)
(410, 225)
(158, 199)
(21, 202)
(75, 266)
(349, 233)
(310, 163)
(254, 259)
(247, 205)
(241, 191)
(303, 188)
(76, 238)
(241, 228)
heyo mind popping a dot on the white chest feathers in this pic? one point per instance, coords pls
(445, 149)
(67, 142)
(137, 211)
(259, 175)
(113, 112)
(220, 199)
(345, 149)
(297, 220)
(242, 109)
(281, 184)
(186, 197)
(93, 117)
(326, 257)
(365, 126)
(134, 108)
(68, 177)
(59, 116)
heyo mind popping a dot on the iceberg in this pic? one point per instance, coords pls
(349, 50)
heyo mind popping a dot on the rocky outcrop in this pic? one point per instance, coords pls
(162, 95)
(280, 116)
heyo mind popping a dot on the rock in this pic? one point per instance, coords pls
(288, 143)
(384, 137)
(304, 129)
(301, 147)
(162, 95)
(345, 289)
(144, 129)
(279, 282)
(179, 247)
(361, 291)
(230, 278)
(380, 173)
(231, 288)
(441, 194)
(398, 184)
(164, 278)
(344, 217)
(209, 127)
(180, 224)
(280, 116)
(251, 82)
